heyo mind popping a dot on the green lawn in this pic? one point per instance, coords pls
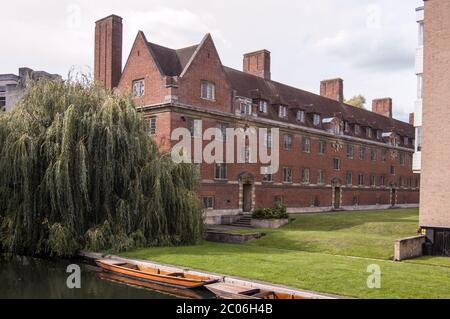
(324, 253)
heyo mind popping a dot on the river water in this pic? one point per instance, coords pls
(31, 278)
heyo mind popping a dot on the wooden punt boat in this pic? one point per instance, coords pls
(154, 275)
(177, 292)
(227, 291)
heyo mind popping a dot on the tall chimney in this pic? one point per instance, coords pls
(108, 51)
(383, 107)
(258, 63)
(333, 89)
(411, 119)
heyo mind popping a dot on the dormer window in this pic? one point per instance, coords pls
(282, 111)
(357, 129)
(406, 141)
(379, 134)
(301, 116)
(262, 107)
(346, 127)
(208, 91)
(246, 108)
(316, 119)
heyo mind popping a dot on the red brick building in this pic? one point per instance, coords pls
(332, 155)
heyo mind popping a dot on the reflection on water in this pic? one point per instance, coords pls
(26, 277)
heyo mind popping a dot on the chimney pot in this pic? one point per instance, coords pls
(333, 89)
(258, 63)
(383, 107)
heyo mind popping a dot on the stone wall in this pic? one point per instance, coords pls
(409, 248)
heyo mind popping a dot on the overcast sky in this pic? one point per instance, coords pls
(369, 43)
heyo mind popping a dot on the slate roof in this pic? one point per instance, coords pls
(173, 62)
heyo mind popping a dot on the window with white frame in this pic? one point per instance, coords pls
(322, 147)
(373, 182)
(349, 178)
(282, 111)
(357, 129)
(406, 141)
(346, 127)
(373, 154)
(287, 175)
(320, 177)
(336, 164)
(288, 142)
(316, 119)
(306, 145)
(350, 151)
(194, 128)
(246, 108)
(382, 180)
(152, 125)
(305, 176)
(246, 154)
(223, 129)
(379, 134)
(268, 139)
(262, 106)
(208, 202)
(221, 171)
(301, 116)
(361, 179)
(138, 88)
(402, 159)
(208, 90)
(362, 153)
(267, 178)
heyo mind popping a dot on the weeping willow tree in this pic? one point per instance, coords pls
(79, 171)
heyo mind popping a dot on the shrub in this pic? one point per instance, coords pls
(279, 212)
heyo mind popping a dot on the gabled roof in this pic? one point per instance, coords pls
(172, 62)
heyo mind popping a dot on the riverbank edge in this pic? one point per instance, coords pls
(251, 284)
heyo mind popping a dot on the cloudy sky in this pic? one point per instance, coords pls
(369, 43)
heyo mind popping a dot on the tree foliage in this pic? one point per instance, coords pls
(358, 101)
(78, 170)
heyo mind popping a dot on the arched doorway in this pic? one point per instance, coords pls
(246, 192)
(336, 195)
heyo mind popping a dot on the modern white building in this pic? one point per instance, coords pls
(417, 158)
(12, 87)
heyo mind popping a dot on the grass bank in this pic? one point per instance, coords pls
(326, 253)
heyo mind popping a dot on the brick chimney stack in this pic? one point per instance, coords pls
(108, 51)
(383, 107)
(258, 63)
(333, 89)
(411, 119)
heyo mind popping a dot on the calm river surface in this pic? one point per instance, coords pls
(26, 277)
